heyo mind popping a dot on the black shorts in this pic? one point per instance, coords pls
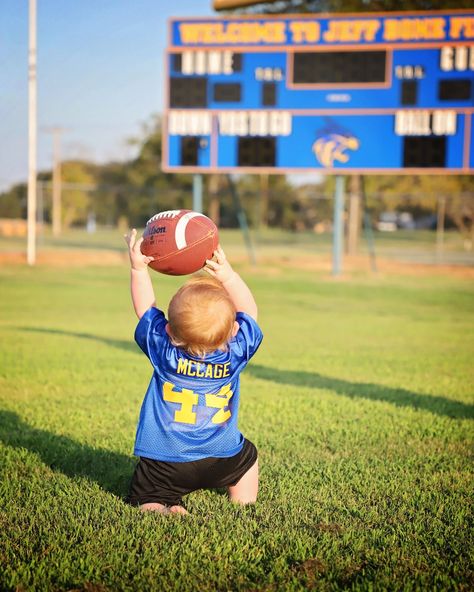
(156, 481)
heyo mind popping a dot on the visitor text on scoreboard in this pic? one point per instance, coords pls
(368, 93)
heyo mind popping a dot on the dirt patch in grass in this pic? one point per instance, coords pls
(311, 570)
(358, 265)
(64, 258)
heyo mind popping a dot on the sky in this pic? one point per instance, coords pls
(100, 76)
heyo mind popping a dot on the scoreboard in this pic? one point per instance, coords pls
(362, 93)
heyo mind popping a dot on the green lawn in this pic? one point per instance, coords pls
(360, 402)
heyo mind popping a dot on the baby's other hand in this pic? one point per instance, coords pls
(219, 267)
(138, 260)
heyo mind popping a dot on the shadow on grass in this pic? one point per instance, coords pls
(375, 392)
(127, 345)
(396, 396)
(111, 470)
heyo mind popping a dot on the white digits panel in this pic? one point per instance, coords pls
(189, 123)
(258, 123)
(207, 62)
(280, 123)
(255, 123)
(459, 59)
(444, 123)
(412, 123)
(425, 123)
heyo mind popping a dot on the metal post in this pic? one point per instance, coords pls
(57, 131)
(197, 193)
(440, 228)
(354, 218)
(368, 228)
(338, 233)
(40, 211)
(242, 218)
(32, 132)
(263, 199)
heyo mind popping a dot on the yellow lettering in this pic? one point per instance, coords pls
(237, 32)
(186, 398)
(333, 32)
(351, 30)
(390, 30)
(226, 369)
(305, 31)
(276, 33)
(435, 28)
(196, 34)
(232, 33)
(182, 366)
(189, 33)
(199, 372)
(220, 401)
(191, 372)
(461, 25)
(218, 371)
(414, 29)
(371, 27)
(208, 371)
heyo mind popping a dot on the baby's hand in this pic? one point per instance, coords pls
(219, 267)
(138, 260)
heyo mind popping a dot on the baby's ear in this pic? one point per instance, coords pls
(168, 330)
(235, 329)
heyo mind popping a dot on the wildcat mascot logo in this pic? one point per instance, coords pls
(332, 144)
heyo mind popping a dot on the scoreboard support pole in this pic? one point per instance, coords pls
(242, 218)
(338, 232)
(197, 193)
(369, 235)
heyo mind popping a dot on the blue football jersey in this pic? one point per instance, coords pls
(190, 410)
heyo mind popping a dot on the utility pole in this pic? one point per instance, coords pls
(32, 133)
(56, 215)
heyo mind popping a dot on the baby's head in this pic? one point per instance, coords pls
(201, 316)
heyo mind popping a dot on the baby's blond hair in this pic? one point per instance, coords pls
(201, 316)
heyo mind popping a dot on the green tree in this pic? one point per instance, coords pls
(76, 201)
(152, 190)
(13, 202)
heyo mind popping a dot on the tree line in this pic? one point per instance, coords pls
(134, 190)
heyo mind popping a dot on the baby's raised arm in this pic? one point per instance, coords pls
(239, 292)
(141, 287)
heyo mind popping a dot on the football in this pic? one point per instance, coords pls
(180, 241)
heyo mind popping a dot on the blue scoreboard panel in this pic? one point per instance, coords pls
(366, 93)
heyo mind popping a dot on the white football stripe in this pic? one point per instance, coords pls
(180, 231)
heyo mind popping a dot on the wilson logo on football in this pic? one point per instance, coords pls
(157, 230)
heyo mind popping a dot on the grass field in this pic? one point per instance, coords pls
(360, 401)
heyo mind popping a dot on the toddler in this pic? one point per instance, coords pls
(187, 435)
